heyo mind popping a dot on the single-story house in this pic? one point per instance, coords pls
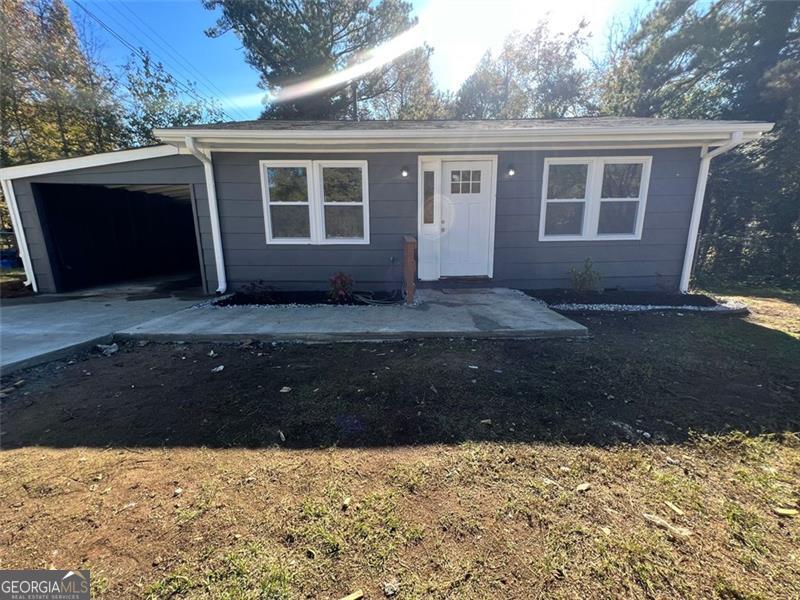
(514, 203)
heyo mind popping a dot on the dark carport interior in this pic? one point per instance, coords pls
(98, 235)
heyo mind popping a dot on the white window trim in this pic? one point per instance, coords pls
(307, 165)
(319, 165)
(592, 199)
(316, 204)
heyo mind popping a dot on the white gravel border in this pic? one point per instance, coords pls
(730, 307)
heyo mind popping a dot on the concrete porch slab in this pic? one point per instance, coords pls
(485, 313)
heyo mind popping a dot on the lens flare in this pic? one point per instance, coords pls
(372, 59)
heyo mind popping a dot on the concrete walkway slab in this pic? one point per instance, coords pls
(496, 312)
(41, 328)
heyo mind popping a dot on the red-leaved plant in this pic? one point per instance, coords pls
(341, 288)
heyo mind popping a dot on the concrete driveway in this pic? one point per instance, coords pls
(40, 328)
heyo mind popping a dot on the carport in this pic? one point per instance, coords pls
(110, 218)
(98, 235)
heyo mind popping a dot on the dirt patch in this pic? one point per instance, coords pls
(652, 460)
(12, 284)
(414, 392)
(638, 298)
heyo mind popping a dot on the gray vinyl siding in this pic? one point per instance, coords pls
(162, 170)
(520, 260)
(655, 261)
(249, 259)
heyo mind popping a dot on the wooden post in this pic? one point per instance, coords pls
(410, 267)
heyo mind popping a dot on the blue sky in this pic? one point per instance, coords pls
(460, 31)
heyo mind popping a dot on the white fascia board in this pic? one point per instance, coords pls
(83, 162)
(709, 129)
(353, 140)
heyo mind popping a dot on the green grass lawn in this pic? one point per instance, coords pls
(657, 459)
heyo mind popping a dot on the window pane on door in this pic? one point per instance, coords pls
(621, 180)
(564, 218)
(344, 222)
(617, 217)
(342, 184)
(287, 184)
(567, 181)
(427, 196)
(289, 221)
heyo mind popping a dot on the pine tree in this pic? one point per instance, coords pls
(733, 59)
(289, 41)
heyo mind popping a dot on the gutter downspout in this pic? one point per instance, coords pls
(697, 206)
(213, 211)
(19, 232)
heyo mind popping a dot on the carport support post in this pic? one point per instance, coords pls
(19, 232)
(213, 210)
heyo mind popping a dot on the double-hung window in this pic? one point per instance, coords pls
(599, 198)
(315, 202)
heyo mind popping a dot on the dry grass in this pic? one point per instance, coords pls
(493, 515)
(473, 521)
(773, 308)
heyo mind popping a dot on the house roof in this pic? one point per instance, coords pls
(654, 124)
(455, 135)
(584, 133)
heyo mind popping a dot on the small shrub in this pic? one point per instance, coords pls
(258, 289)
(341, 288)
(585, 279)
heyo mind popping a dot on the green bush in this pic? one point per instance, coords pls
(585, 279)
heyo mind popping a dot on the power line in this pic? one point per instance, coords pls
(170, 49)
(172, 57)
(120, 33)
(140, 53)
(175, 67)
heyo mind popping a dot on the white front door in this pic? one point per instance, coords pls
(466, 218)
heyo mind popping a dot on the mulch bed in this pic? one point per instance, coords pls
(274, 297)
(627, 297)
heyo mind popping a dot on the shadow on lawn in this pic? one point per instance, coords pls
(648, 378)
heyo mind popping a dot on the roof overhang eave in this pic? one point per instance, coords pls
(221, 139)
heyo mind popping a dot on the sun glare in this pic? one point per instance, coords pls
(460, 35)
(374, 59)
